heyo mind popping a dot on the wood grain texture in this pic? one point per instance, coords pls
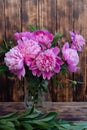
(12, 17)
(56, 16)
(3, 93)
(47, 14)
(64, 24)
(80, 20)
(29, 13)
(69, 111)
(12, 25)
(2, 19)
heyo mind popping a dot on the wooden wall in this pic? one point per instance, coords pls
(55, 15)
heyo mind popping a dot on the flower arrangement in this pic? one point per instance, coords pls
(38, 57)
(36, 51)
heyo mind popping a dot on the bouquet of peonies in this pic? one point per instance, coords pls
(36, 51)
(37, 55)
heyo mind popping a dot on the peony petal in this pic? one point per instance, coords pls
(56, 50)
(72, 68)
(18, 36)
(59, 61)
(65, 46)
(57, 68)
(72, 33)
(47, 75)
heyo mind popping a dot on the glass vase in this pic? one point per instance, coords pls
(37, 97)
(32, 98)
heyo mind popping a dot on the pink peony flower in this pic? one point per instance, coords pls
(14, 61)
(43, 37)
(18, 36)
(29, 49)
(47, 63)
(77, 41)
(71, 57)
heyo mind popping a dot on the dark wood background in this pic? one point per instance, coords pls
(55, 15)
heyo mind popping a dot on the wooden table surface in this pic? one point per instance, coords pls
(71, 111)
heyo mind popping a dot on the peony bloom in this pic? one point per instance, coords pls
(18, 36)
(77, 41)
(43, 37)
(29, 49)
(47, 63)
(71, 57)
(14, 61)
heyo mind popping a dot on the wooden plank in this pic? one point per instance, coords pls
(13, 24)
(69, 111)
(29, 13)
(80, 20)
(64, 25)
(54, 15)
(3, 95)
(47, 14)
(2, 21)
(15, 89)
(65, 16)
(12, 17)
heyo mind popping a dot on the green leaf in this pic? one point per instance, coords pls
(7, 123)
(83, 125)
(32, 120)
(56, 82)
(56, 38)
(40, 124)
(9, 115)
(5, 127)
(48, 117)
(3, 68)
(79, 82)
(10, 44)
(33, 28)
(29, 112)
(32, 116)
(73, 127)
(10, 124)
(15, 121)
(4, 47)
(44, 83)
(64, 69)
(59, 127)
(27, 126)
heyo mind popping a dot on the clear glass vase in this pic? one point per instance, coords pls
(37, 97)
(46, 100)
(32, 98)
